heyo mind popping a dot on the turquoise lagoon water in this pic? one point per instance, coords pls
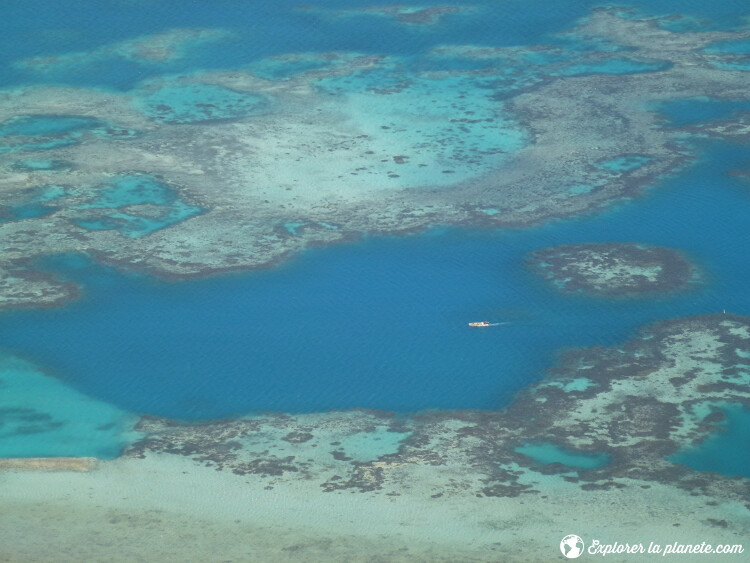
(130, 190)
(59, 421)
(546, 453)
(38, 205)
(739, 47)
(111, 208)
(735, 46)
(40, 126)
(44, 132)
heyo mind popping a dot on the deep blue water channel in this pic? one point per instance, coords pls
(381, 323)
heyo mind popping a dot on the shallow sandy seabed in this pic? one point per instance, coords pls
(324, 159)
(435, 486)
(169, 509)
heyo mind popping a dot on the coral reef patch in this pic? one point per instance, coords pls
(613, 269)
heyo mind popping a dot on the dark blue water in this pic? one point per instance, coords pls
(382, 323)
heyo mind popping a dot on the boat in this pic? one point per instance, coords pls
(481, 323)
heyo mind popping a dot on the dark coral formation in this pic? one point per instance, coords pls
(613, 269)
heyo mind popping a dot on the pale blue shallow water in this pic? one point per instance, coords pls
(546, 453)
(42, 416)
(134, 189)
(379, 323)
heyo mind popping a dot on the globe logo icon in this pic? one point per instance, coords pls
(571, 546)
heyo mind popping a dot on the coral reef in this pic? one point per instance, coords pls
(613, 269)
(387, 150)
